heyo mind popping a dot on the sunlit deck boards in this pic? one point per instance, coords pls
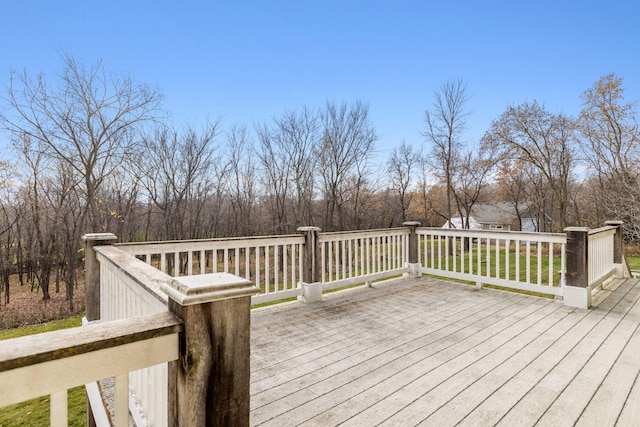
(426, 352)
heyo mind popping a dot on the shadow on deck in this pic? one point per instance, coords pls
(430, 352)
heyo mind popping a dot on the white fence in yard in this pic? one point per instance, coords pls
(526, 261)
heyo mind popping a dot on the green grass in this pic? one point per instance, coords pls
(634, 262)
(35, 412)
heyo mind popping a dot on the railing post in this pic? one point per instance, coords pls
(209, 383)
(311, 286)
(92, 272)
(412, 257)
(617, 246)
(577, 292)
(92, 286)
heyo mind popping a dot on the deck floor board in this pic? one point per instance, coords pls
(430, 352)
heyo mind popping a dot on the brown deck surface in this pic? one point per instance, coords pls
(430, 352)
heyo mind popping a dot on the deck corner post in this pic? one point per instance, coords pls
(209, 383)
(617, 246)
(576, 290)
(92, 272)
(92, 286)
(311, 286)
(412, 265)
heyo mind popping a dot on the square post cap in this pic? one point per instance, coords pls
(204, 288)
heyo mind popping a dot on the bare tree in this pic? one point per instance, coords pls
(445, 125)
(609, 127)
(298, 137)
(401, 166)
(242, 181)
(89, 120)
(472, 176)
(177, 176)
(546, 141)
(343, 158)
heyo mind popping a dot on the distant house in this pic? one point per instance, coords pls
(494, 216)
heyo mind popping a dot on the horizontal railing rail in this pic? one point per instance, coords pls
(353, 257)
(532, 262)
(274, 263)
(54, 362)
(600, 256)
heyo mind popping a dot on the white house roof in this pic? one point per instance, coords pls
(457, 223)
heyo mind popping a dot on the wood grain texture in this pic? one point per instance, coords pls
(429, 352)
(34, 349)
(209, 384)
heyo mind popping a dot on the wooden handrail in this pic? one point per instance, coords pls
(39, 348)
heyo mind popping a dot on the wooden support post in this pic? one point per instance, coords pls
(412, 257)
(92, 286)
(617, 241)
(209, 383)
(310, 257)
(311, 286)
(576, 291)
(92, 272)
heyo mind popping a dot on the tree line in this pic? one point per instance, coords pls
(93, 151)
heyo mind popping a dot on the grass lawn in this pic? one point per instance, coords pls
(36, 412)
(634, 262)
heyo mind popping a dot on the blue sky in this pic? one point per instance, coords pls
(247, 61)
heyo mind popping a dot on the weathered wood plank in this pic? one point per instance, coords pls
(607, 403)
(593, 372)
(544, 393)
(34, 349)
(494, 406)
(419, 394)
(359, 379)
(458, 355)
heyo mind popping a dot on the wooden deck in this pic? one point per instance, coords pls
(429, 352)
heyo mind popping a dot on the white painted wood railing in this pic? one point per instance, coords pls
(130, 288)
(600, 255)
(353, 257)
(274, 263)
(53, 362)
(526, 261)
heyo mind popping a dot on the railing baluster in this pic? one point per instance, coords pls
(59, 412)
(539, 278)
(121, 398)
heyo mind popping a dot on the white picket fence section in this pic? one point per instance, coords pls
(274, 263)
(600, 255)
(130, 288)
(353, 257)
(515, 260)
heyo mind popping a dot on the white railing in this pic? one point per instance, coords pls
(130, 288)
(274, 263)
(600, 255)
(51, 363)
(526, 261)
(353, 257)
